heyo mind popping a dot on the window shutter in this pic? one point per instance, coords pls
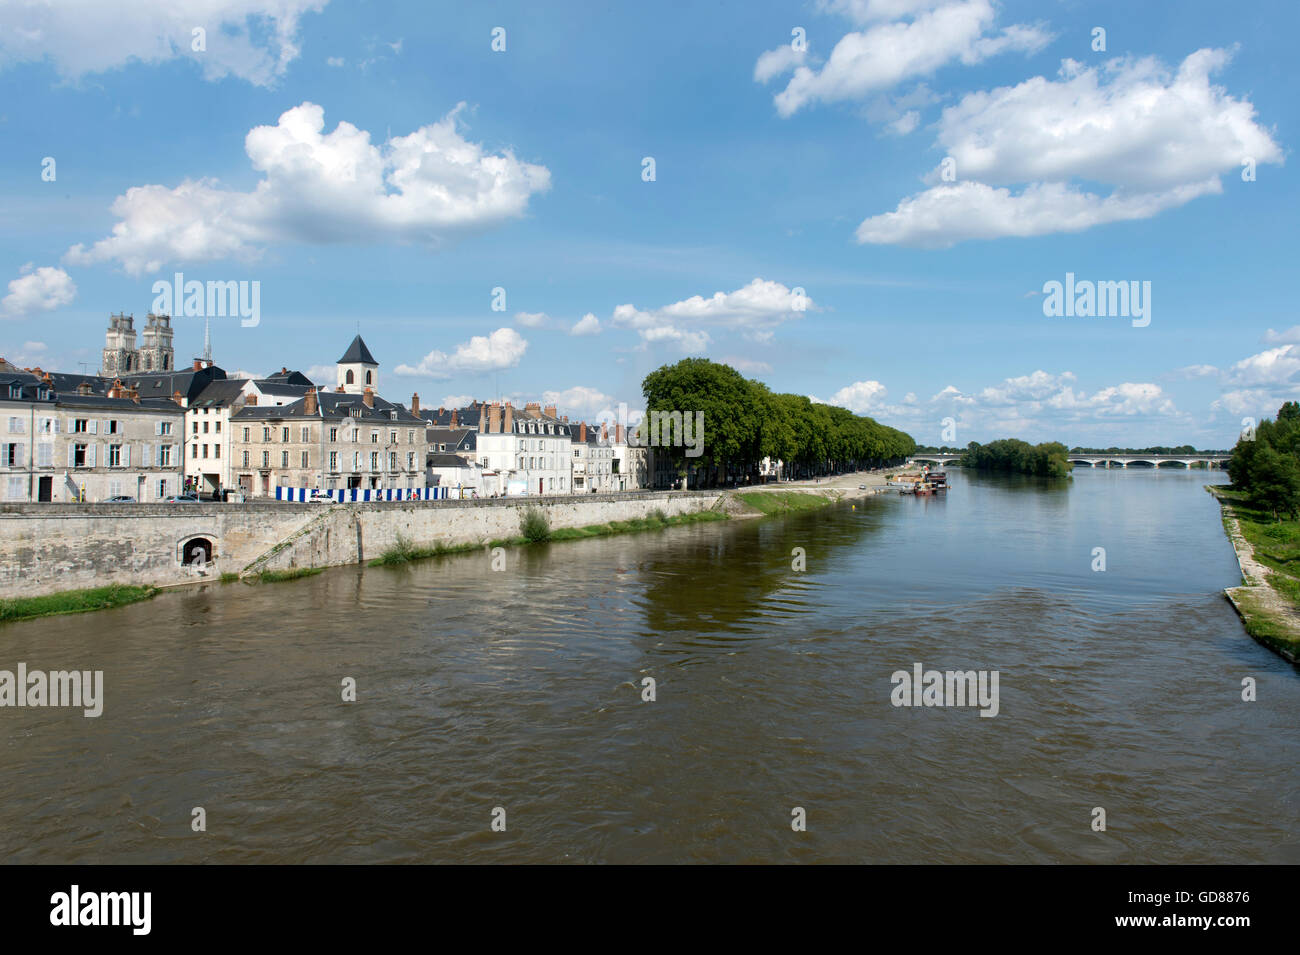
(56, 425)
(93, 424)
(19, 459)
(147, 457)
(72, 454)
(157, 427)
(90, 455)
(126, 455)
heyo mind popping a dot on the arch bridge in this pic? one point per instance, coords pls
(1106, 460)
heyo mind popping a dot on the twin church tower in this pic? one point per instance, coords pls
(120, 354)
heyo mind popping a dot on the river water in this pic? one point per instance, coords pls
(522, 690)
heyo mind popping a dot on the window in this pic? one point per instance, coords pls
(45, 456)
(410, 460)
(334, 434)
(9, 455)
(216, 426)
(374, 460)
(266, 459)
(306, 436)
(114, 488)
(194, 450)
(284, 459)
(114, 458)
(245, 435)
(369, 379)
(205, 450)
(392, 460)
(216, 450)
(356, 460)
(486, 463)
(392, 437)
(304, 460)
(266, 434)
(164, 427)
(80, 425)
(79, 455)
(162, 489)
(350, 378)
(194, 429)
(164, 456)
(205, 427)
(245, 459)
(334, 460)
(410, 437)
(284, 435)
(114, 426)
(576, 452)
(15, 425)
(374, 437)
(16, 492)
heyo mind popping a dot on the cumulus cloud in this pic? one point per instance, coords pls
(861, 397)
(579, 401)
(37, 290)
(531, 319)
(755, 310)
(888, 53)
(320, 188)
(456, 401)
(589, 324)
(1157, 139)
(483, 353)
(254, 40)
(1290, 336)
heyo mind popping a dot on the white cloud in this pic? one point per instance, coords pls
(775, 62)
(457, 401)
(1195, 371)
(320, 188)
(323, 374)
(33, 352)
(1159, 140)
(579, 401)
(37, 290)
(255, 40)
(861, 397)
(531, 319)
(1290, 336)
(335, 61)
(483, 353)
(589, 324)
(886, 54)
(755, 310)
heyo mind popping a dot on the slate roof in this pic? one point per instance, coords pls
(357, 352)
(334, 405)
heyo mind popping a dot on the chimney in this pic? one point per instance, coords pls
(198, 364)
(482, 418)
(339, 389)
(283, 370)
(415, 404)
(83, 388)
(533, 407)
(453, 418)
(582, 433)
(251, 401)
(510, 418)
(368, 397)
(178, 398)
(551, 411)
(135, 394)
(494, 418)
(309, 402)
(618, 434)
(565, 419)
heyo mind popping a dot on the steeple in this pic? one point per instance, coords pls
(120, 356)
(357, 369)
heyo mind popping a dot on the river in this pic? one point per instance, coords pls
(522, 690)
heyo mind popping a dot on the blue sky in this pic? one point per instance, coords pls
(775, 170)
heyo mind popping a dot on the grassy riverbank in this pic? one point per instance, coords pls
(1269, 553)
(535, 530)
(73, 601)
(769, 503)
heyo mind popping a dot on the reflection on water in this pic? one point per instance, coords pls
(522, 689)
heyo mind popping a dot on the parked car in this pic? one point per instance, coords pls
(862, 487)
(189, 498)
(119, 499)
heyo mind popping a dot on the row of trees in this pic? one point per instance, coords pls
(1266, 464)
(1047, 460)
(1159, 449)
(745, 421)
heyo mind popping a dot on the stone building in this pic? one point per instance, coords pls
(81, 445)
(120, 356)
(524, 451)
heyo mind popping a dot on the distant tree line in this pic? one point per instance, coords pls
(1266, 464)
(1020, 457)
(744, 422)
(1181, 449)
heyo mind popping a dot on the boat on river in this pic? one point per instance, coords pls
(925, 484)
